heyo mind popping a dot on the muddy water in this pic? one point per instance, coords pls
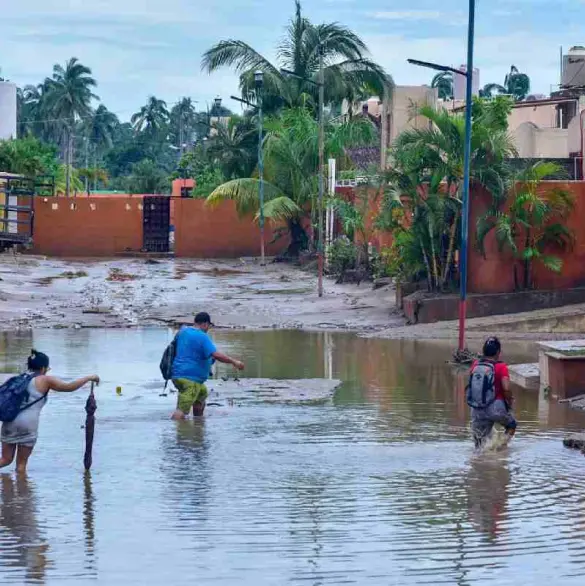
(378, 486)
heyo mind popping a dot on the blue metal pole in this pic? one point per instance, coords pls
(466, 173)
(261, 177)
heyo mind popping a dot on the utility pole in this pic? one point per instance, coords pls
(321, 163)
(259, 81)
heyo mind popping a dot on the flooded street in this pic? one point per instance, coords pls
(377, 486)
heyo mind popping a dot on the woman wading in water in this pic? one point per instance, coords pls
(20, 436)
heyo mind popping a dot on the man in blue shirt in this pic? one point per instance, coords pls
(193, 359)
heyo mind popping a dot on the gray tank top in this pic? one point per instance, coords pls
(24, 429)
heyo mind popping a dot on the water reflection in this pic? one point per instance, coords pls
(22, 543)
(89, 503)
(487, 487)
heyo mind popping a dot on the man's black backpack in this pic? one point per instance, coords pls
(14, 396)
(166, 363)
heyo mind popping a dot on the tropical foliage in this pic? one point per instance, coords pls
(349, 73)
(426, 180)
(532, 225)
(443, 81)
(290, 168)
(516, 84)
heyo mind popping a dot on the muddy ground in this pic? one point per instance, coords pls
(38, 292)
(48, 293)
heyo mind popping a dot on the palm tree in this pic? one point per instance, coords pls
(443, 81)
(69, 99)
(290, 169)
(491, 89)
(427, 178)
(234, 147)
(517, 84)
(533, 223)
(348, 71)
(182, 121)
(99, 131)
(151, 118)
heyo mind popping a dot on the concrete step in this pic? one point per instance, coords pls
(526, 376)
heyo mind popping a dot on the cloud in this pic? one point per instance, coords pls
(494, 54)
(407, 15)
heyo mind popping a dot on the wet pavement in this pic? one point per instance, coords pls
(377, 486)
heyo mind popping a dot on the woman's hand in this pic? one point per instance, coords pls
(94, 378)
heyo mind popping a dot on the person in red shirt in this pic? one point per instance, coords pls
(483, 420)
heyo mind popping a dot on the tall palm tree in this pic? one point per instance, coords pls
(182, 123)
(348, 70)
(234, 147)
(290, 168)
(69, 99)
(99, 133)
(517, 84)
(152, 117)
(443, 81)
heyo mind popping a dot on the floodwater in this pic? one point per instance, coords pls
(377, 486)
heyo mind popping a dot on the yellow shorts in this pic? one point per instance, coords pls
(190, 393)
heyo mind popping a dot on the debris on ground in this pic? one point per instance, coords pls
(119, 276)
(464, 357)
(575, 441)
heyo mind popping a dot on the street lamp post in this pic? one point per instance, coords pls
(466, 166)
(321, 162)
(259, 82)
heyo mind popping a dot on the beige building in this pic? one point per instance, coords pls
(548, 128)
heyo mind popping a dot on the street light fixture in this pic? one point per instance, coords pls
(466, 165)
(321, 85)
(259, 83)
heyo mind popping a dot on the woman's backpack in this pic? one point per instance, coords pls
(13, 395)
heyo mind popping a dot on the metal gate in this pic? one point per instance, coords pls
(17, 206)
(156, 221)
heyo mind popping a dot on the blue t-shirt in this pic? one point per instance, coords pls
(193, 358)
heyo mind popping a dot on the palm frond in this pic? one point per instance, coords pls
(245, 193)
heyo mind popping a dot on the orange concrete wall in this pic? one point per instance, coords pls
(495, 273)
(218, 232)
(87, 226)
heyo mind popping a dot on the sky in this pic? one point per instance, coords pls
(138, 48)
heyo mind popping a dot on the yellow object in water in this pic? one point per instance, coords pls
(118, 391)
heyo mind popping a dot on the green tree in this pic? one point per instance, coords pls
(533, 223)
(517, 84)
(348, 71)
(147, 177)
(152, 118)
(443, 81)
(182, 123)
(290, 169)
(234, 147)
(68, 99)
(28, 156)
(99, 131)
(427, 179)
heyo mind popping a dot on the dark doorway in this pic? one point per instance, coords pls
(156, 220)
